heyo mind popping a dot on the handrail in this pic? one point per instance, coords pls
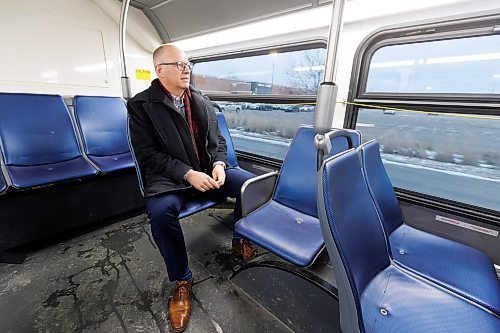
(323, 143)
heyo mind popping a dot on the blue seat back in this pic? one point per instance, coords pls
(224, 130)
(36, 129)
(296, 186)
(380, 186)
(353, 234)
(102, 122)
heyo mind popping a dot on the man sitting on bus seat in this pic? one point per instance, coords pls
(181, 154)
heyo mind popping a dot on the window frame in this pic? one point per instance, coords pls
(486, 23)
(263, 50)
(452, 28)
(448, 97)
(298, 45)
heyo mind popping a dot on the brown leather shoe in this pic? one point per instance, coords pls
(179, 309)
(245, 249)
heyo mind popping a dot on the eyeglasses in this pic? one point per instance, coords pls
(181, 65)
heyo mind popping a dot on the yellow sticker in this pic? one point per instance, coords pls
(143, 74)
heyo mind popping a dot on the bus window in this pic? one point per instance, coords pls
(265, 129)
(431, 100)
(287, 73)
(463, 65)
(443, 155)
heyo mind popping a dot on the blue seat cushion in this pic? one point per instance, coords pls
(113, 162)
(196, 205)
(288, 233)
(415, 306)
(30, 176)
(453, 265)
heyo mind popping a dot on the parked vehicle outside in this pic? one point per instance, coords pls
(229, 106)
(292, 108)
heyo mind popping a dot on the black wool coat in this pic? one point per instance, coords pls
(161, 140)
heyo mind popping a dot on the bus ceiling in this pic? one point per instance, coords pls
(179, 19)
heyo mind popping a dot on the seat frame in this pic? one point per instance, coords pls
(260, 193)
(365, 293)
(468, 262)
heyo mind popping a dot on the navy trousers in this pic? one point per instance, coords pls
(163, 212)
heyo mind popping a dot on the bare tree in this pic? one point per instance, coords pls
(308, 71)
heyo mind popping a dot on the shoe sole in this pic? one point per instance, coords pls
(179, 329)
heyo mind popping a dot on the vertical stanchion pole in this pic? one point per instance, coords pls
(327, 91)
(125, 80)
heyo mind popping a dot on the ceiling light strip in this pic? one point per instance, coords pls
(160, 4)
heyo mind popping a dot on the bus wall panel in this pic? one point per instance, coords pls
(485, 237)
(68, 48)
(39, 214)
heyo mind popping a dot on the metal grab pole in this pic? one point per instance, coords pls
(327, 91)
(125, 80)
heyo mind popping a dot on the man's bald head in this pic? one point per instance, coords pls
(168, 53)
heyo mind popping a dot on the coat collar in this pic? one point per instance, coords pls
(158, 92)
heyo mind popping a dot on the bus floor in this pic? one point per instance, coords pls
(114, 280)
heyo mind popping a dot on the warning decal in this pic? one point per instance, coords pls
(143, 74)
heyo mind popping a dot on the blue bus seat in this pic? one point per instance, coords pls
(38, 141)
(453, 265)
(102, 122)
(195, 205)
(376, 294)
(288, 225)
(231, 153)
